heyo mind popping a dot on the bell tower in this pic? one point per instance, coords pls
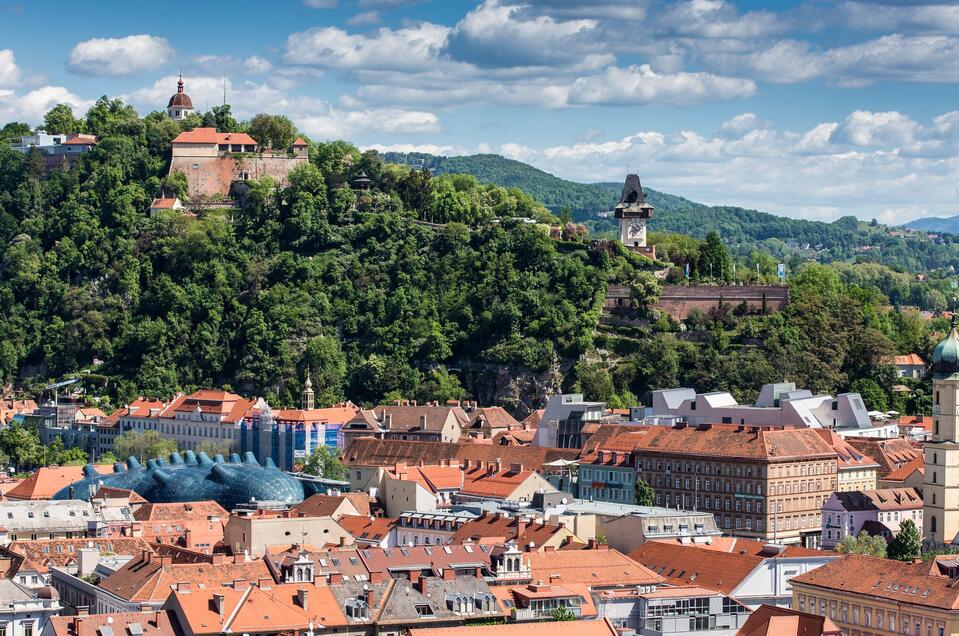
(632, 212)
(940, 493)
(307, 400)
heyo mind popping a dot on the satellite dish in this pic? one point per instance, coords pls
(109, 620)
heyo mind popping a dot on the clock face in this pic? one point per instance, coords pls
(635, 228)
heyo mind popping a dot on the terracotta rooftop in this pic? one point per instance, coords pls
(211, 136)
(367, 451)
(769, 620)
(269, 608)
(719, 440)
(344, 561)
(911, 359)
(495, 417)
(437, 558)
(231, 407)
(165, 203)
(489, 528)
(320, 505)
(882, 499)
(889, 453)
(419, 418)
(192, 510)
(485, 482)
(109, 492)
(39, 555)
(596, 568)
(925, 583)
(333, 414)
(150, 624)
(367, 529)
(849, 456)
(431, 478)
(600, 627)
(716, 569)
(923, 421)
(906, 470)
(47, 481)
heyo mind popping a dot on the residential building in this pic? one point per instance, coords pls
(26, 612)
(56, 150)
(514, 482)
(60, 519)
(911, 475)
(193, 525)
(780, 404)
(910, 366)
(688, 610)
(878, 512)
(539, 601)
(419, 488)
(765, 484)
(10, 408)
(46, 481)
(564, 419)
(599, 568)
(941, 452)
(628, 532)
(750, 571)
(569, 628)
(164, 204)
(213, 161)
(489, 422)
(157, 623)
(428, 423)
(916, 427)
(769, 620)
(430, 528)
(28, 562)
(857, 471)
(146, 623)
(251, 532)
(609, 474)
(298, 563)
(500, 528)
(863, 594)
(375, 532)
(890, 454)
(335, 506)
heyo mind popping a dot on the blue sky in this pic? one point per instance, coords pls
(813, 109)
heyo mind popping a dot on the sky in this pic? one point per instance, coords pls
(813, 109)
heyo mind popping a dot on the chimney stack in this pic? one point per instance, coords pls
(369, 597)
(303, 598)
(218, 603)
(449, 574)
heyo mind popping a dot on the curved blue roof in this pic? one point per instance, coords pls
(193, 477)
(945, 358)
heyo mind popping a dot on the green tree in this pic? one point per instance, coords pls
(59, 120)
(221, 118)
(863, 544)
(872, 394)
(907, 545)
(713, 259)
(15, 129)
(325, 462)
(143, 445)
(272, 131)
(22, 446)
(562, 614)
(644, 493)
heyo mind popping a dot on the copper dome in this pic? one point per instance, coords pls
(180, 99)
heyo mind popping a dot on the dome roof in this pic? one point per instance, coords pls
(180, 99)
(945, 359)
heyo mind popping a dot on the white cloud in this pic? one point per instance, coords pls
(364, 18)
(864, 128)
(9, 71)
(409, 48)
(256, 65)
(936, 18)
(119, 56)
(718, 19)
(33, 105)
(315, 117)
(642, 85)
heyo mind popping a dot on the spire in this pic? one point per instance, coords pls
(307, 400)
(179, 84)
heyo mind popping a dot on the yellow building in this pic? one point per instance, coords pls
(941, 487)
(857, 471)
(866, 596)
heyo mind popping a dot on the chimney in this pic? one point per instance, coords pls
(265, 583)
(423, 422)
(239, 559)
(216, 559)
(377, 577)
(146, 555)
(218, 603)
(449, 574)
(188, 537)
(369, 596)
(336, 578)
(303, 598)
(166, 560)
(83, 610)
(555, 578)
(520, 527)
(499, 465)
(424, 586)
(414, 577)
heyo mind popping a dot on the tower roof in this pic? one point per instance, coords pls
(945, 358)
(633, 202)
(180, 99)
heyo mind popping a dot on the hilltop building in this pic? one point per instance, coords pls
(632, 212)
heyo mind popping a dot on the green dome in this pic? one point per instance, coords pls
(945, 359)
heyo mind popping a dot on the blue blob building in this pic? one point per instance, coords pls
(196, 477)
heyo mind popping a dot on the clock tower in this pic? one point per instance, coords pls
(940, 493)
(632, 212)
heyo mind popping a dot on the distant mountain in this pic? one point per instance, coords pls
(949, 224)
(846, 238)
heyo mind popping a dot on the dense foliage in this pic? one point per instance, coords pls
(375, 303)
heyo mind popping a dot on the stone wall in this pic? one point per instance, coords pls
(679, 300)
(212, 176)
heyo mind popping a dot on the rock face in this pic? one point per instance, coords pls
(193, 477)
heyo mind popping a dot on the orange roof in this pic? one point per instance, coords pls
(151, 624)
(140, 407)
(11, 407)
(367, 529)
(712, 440)
(40, 554)
(191, 510)
(480, 481)
(432, 478)
(551, 628)
(163, 204)
(596, 568)
(47, 481)
(903, 472)
(230, 406)
(211, 136)
(299, 142)
(503, 528)
(108, 492)
(85, 140)
(721, 568)
(333, 414)
(769, 620)
(912, 359)
(320, 505)
(910, 421)
(849, 455)
(253, 609)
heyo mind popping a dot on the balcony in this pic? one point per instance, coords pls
(528, 614)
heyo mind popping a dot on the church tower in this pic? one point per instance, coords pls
(307, 400)
(180, 105)
(940, 493)
(632, 212)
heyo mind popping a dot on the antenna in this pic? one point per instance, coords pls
(224, 90)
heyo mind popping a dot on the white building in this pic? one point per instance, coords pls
(23, 613)
(780, 404)
(563, 419)
(430, 528)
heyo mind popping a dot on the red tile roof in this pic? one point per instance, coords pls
(331, 415)
(906, 470)
(151, 624)
(47, 481)
(890, 453)
(769, 620)
(194, 510)
(597, 568)
(431, 478)
(501, 528)
(163, 204)
(299, 142)
(849, 456)
(40, 554)
(923, 421)
(728, 441)
(569, 628)
(495, 417)
(912, 359)
(486, 483)
(211, 136)
(419, 418)
(367, 529)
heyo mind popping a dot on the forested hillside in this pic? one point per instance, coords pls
(948, 224)
(742, 229)
(373, 303)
